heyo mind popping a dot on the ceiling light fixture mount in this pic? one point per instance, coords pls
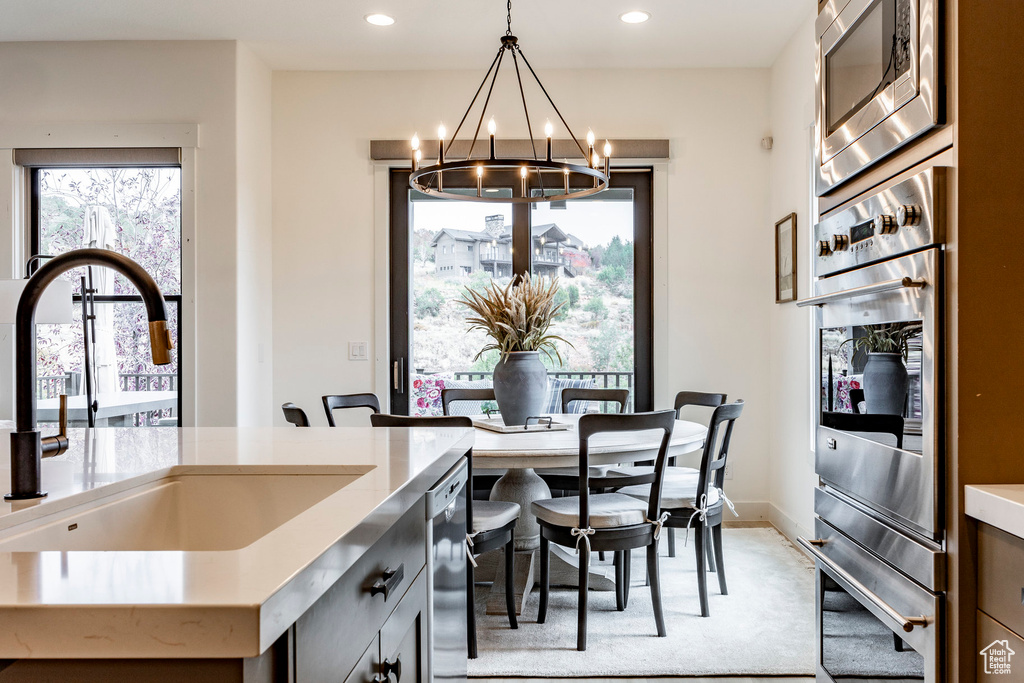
(541, 178)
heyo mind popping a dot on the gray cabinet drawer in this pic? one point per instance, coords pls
(368, 666)
(403, 639)
(333, 634)
(995, 645)
(1001, 577)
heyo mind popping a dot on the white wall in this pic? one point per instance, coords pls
(154, 82)
(792, 476)
(716, 238)
(255, 258)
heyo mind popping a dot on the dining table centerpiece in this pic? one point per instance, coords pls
(518, 318)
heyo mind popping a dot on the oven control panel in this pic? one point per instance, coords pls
(901, 218)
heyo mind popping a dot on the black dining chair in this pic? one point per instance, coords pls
(567, 478)
(683, 400)
(696, 502)
(606, 521)
(449, 396)
(482, 483)
(490, 524)
(295, 414)
(334, 402)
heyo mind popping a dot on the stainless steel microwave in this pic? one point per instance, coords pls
(877, 77)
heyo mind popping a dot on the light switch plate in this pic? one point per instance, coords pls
(357, 350)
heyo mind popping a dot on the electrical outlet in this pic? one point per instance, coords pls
(728, 471)
(357, 350)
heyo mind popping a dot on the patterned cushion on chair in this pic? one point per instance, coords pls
(553, 401)
(679, 490)
(468, 407)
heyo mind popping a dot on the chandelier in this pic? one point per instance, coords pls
(541, 178)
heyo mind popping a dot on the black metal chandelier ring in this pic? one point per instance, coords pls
(428, 179)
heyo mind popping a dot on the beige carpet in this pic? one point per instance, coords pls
(764, 626)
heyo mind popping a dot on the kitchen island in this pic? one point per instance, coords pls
(233, 586)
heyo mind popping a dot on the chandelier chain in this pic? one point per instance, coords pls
(508, 19)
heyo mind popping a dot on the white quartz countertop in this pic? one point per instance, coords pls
(232, 603)
(1001, 505)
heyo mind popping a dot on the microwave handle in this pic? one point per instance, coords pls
(906, 623)
(877, 288)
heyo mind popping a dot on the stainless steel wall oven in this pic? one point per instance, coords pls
(877, 77)
(879, 534)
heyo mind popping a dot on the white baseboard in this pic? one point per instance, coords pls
(787, 526)
(751, 511)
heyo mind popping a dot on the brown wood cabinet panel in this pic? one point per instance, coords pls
(1001, 577)
(999, 652)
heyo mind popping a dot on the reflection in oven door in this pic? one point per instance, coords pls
(857, 645)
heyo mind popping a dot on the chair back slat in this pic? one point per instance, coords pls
(570, 394)
(295, 414)
(449, 396)
(699, 398)
(716, 447)
(336, 401)
(598, 423)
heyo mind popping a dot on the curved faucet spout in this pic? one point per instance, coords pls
(26, 447)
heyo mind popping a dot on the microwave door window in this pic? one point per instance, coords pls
(871, 382)
(856, 646)
(862, 64)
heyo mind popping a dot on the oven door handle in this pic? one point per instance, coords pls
(906, 623)
(877, 288)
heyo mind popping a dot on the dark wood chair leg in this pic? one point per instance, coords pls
(655, 578)
(627, 571)
(581, 608)
(710, 554)
(510, 584)
(702, 579)
(470, 611)
(671, 542)
(716, 537)
(619, 580)
(545, 561)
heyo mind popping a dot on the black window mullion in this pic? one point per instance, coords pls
(522, 249)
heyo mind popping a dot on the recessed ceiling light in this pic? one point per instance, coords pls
(379, 19)
(635, 17)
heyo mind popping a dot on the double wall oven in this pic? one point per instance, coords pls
(879, 537)
(877, 75)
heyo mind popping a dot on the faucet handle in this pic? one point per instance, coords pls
(63, 430)
(55, 445)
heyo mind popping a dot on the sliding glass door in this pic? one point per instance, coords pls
(598, 249)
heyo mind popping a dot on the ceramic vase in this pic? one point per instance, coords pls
(885, 384)
(520, 386)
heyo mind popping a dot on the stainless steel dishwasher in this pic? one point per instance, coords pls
(446, 575)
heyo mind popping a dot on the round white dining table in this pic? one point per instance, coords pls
(519, 454)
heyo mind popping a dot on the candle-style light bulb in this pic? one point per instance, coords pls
(491, 127)
(419, 155)
(523, 171)
(590, 138)
(415, 151)
(522, 174)
(415, 142)
(590, 144)
(595, 160)
(479, 171)
(607, 148)
(479, 181)
(607, 158)
(441, 132)
(566, 181)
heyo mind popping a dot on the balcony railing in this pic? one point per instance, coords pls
(71, 383)
(601, 380)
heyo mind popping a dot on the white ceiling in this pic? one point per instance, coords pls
(432, 34)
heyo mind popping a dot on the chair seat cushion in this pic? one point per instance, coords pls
(595, 471)
(493, 514)
(607, 510)
(671, 473)
(678, 491)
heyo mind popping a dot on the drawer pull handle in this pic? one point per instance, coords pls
(905, 623)
(394, 668)
(388, 582)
